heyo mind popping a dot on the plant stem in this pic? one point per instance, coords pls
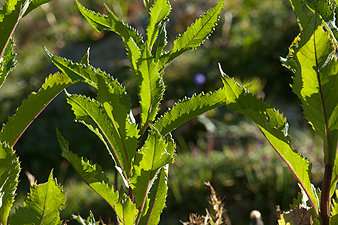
(325, 195)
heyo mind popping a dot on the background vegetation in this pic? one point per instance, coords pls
(221, 147)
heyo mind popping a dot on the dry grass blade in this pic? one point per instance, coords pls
(218, 216)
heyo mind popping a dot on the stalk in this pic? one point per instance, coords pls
(325, 195)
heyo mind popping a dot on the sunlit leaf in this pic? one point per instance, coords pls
(32, 107)
(42, 205)
(93, 115)
(9, 178)
(158, 12)
(274, 127)
(7, 63)
(151, 90)
(195, 35)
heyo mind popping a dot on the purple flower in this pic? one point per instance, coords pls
(199, 79)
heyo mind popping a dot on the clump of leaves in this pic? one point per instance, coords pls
(141, 148)
(45, 201)
(312, 60)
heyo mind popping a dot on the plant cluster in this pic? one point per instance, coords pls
(141, 146)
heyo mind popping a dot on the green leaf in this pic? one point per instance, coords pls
(34, 4)
(9, 18)
(32, 107)
(314, 83)
(274, 127)
(97, 21)
(7, 63)
(78, 72)
(9, 178)
(151, 90)
(334, 177)
(195, 35)
(155, 153)
(89, 221)
(117, 105)
(42, 205)
(87, 171)
(132, 40)
(188, 109)
(157, 198)
(160, 41)
(327, 12)
(158, 12)
(334, 210)
(126, 211)
(93, 115)
(94, 177)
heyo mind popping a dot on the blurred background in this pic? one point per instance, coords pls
(219, 146)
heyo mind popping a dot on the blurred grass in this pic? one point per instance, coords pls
(220, 147)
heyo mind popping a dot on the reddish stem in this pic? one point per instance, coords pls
(325, 195)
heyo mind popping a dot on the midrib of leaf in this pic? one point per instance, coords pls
(70, 159)
(292, 168)
(196, 34)
(106, 137)
(151, 90)
(323, 102)
(166, 59)
(146, 194)
(189, 108)
(160, 177)
(152, 29)
(26, 113)
(117, 128)
(17, 16)
(261, 115)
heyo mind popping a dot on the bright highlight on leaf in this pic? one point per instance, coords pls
(42, 205)
(32, 107)
(9, 178)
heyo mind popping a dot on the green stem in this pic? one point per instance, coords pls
(325, 195)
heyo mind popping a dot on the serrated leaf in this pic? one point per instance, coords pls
(155, 153)
(93, 115)
(94, 177)
(89, 221)
(117, 105)
(34, 4)
(195, 35)
(314, 83)
(326, 9)
(7, 63)
(157, 198)
(132, 40)
(274, 127)
(42, 205)
(126, 211)
(158, 12)
(88, 171)
(78, 72)
(334, 210)
(151, 89)
(160, 41)
(32, 107)
(187, 109)
(96, 20)
(9, 18)
(9, 178)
